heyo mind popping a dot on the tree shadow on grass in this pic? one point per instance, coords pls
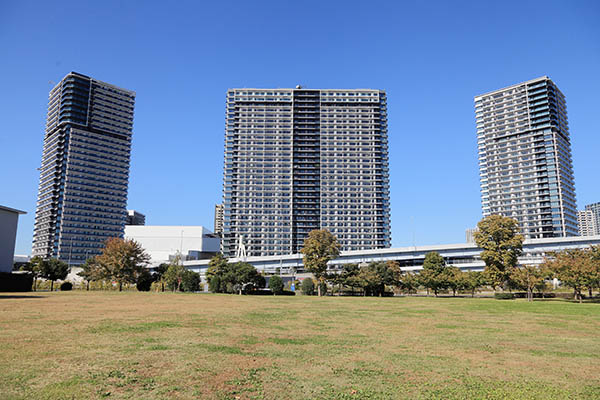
(17, 296)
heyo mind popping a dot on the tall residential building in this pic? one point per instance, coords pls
(589, 220)
(525, 158)
(219, 219)
(303, 159)
(135, 218)
(587, 223)
(470, 235)
(84, 174)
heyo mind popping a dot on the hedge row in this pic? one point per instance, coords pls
(15, 282)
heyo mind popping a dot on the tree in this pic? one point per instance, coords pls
(122, 260)
(144, 281)
(410, 282)
(242, 274)
(575, 268)
(371, 279)
(159, 275)
(348, 275)
(320, 247)
(34, 268)
(454, 279)
(276, 284)
(308, 287)
(527, 278)
(433, 275)
(190, 281)
(471, 281)
(501, 245)
(214, 284)
(175, 275)
(90, 271)
(53, 270)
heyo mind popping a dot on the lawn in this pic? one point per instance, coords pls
(80, 345)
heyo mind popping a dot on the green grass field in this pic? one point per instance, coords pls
(79, 345)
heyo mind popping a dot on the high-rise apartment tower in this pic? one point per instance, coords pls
(303, 159)
(525, 158)
(589, 220)
(85, 169)
(135, 218)
(218, 219)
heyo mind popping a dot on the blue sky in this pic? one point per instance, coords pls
(432, 58)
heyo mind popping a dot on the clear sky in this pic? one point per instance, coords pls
(432, 58)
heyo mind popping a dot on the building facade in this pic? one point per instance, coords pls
(9, 219)
(84, 175)
(525, 162)
(466, 256)
(303, 159)
(589, 220)
(218, 219)
(470, 234)
(164, 243)
(135, 218)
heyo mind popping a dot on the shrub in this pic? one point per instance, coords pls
(144, 281)
(276, 284)
(308, 287)
(15, 282)
(504, 296)
(65, 286)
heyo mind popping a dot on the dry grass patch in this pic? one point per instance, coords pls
(161, 345)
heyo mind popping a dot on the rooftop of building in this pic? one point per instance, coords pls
(541, 78)
(73, 73)
(3, 208)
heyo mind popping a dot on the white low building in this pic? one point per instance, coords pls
(9, 218)
(164, 242)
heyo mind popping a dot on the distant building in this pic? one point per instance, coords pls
(135, 218)
(470, 235)
(219, 219)
(586, 223)
(302, 159)
(164, 243)
(9, 219)
(525, 165)
(84, 175)
(588, 220)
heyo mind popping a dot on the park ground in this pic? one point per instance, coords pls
(80, 345)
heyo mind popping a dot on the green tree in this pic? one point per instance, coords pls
(243, 275)
(90, 271)
(320, 247)
(348, 276)
(190, 281)
(308, 287)
(122, 260)
(527, 278)
(433, 275)
(159, 275)
(53, 270)
(216, 266)
(175, 275)
(34, 268)
(276, 284)
(472, 280)
(214, 284)
(144, 281)
(455, 279)
(501, 245)
(410, 282)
